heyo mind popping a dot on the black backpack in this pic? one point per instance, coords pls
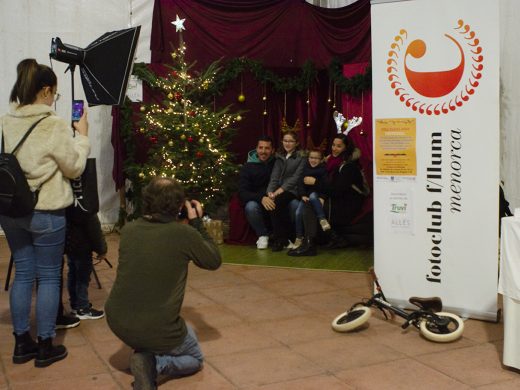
(16, 197)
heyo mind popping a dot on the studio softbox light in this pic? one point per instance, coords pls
(105, 65)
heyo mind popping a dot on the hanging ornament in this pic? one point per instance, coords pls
(142, 130)
(169, 110)
(199, 154)
(239, 117)
(361, 132)
(241, 98)
(264, 98)
(190, 139)
(153, 139)
(170, 96)
(183, 137)
(201, 140)
(141, 175)
(178, 96)
(265, 112)
(142, 108)
(177, 128)
(170, 143)
(192, 113)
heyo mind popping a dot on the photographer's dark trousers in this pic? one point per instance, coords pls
(281, 218)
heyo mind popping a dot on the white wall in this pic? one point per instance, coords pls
(26, 30)
(510, 100)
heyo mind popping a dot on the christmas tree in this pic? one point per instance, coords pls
(188, 136)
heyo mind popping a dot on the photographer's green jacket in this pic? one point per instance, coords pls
(143, 308)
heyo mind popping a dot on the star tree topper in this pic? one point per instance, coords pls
(178, 23)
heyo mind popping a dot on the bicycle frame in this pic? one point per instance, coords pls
(414, 317)
(434, 324)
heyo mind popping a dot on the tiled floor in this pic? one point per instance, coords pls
(269, 329)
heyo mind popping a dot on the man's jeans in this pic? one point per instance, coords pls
(36, 243)
(257, 217)
(80, 268)
(184, 360)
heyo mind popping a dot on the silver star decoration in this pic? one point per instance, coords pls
(178, 23)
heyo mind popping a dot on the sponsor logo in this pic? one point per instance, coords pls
(421, 81)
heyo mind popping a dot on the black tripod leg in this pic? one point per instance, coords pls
(96, 277)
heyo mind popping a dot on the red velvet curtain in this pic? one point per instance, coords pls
(280, 33)
(283, 35)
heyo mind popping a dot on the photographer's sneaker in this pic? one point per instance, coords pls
(89, 314)
(324, 224)
(262, 242)
(66, 322)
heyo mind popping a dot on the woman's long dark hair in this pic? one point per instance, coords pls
(346, 155)
(31, 78)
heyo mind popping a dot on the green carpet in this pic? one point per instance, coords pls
(354, 259)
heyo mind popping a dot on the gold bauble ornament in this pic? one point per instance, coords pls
(239, 117)
(265, 112)
(170, 143)
(177, 128)
(142, 108)
(141, 175)
(241, 98)
(170, 96)
(183, 137)
(142, 130)
(169, 110)
(264, 98)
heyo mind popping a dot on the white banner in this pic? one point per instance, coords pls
(435, 68)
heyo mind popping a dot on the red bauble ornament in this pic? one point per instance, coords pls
(174, 73)
(178, 95)
(199, 154)
(190, 139)
(153, 139)
(192, 113)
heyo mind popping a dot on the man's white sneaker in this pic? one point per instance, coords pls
(262, 242)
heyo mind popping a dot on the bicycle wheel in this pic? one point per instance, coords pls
(352, 319)
(442, 333)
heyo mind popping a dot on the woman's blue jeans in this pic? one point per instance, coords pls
(184, 360)
(78, 279)
(36, 243)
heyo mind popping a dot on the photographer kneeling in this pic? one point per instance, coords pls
(144, 306)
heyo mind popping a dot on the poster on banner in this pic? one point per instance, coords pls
(395, 147)
(436, 65)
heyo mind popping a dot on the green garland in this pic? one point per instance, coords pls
(235, 67)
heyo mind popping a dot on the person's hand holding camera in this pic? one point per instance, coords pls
(193, 209)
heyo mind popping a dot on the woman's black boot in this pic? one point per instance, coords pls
(25, 348)
(336, 241)
(48, 353)
(307, 248)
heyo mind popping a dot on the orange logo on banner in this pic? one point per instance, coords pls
(444, 90)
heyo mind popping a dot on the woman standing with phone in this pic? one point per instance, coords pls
(49, 157)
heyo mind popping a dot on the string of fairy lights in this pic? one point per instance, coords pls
(187, 138)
